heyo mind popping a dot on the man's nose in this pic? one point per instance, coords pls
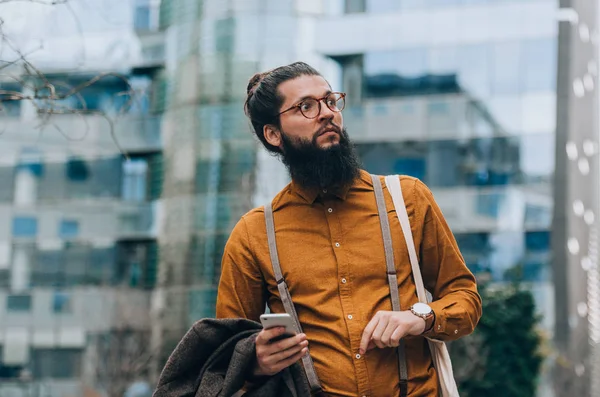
(326, 113)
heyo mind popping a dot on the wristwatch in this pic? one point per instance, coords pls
(424, 311)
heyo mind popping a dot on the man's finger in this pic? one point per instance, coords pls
(367, 334)
(398, 334)
(386, 336)
(283, 355)
(292, 360)
(371, 346)
(266, 335)
(286, 343)
(379, 330)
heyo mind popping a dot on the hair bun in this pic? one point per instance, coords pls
(254, 81)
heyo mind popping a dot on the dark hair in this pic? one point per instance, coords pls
(263, 100)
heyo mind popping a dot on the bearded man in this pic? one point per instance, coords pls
(331, 253)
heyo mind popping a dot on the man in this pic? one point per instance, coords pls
(332, 256)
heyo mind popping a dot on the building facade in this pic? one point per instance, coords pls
(81, 182)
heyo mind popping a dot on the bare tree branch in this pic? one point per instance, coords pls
(50, 97)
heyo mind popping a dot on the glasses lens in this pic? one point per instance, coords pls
(310, 108)
(335, 102)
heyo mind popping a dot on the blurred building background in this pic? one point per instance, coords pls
(100, 252)
(78, 241)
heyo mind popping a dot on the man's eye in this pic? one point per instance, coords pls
(306, 106)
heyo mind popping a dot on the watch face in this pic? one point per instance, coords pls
(422, 308)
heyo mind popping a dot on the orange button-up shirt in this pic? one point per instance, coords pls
(332, 257)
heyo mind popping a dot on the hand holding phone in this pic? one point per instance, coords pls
(277, 345)
(273, 320)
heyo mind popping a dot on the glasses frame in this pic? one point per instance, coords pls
(319, 100)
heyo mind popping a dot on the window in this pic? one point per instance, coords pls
(45, 363)
(382, 5)
(415, 167)
(68, 228)
(135, 179)
(474, 64)
(48, 268)
(77, 170)
(354, 6)
(8, 107)
(61, 303)
(8, 371)
(489, 204)
(24, 226)
(506, 67)
(7, 176)
(206, 253)
(100, 177)
(443, 60)
(136, 263)
(102, 266)
(537, 241)
(142, 15)
(76, 262)
(224, 40)
(538, 58)
(408, 72)
(237, 164)
(352, 79)
(18, 303)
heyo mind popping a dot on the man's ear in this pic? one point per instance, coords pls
(272, 135)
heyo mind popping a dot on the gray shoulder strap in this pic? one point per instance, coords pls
(391, 273)
(309, 367)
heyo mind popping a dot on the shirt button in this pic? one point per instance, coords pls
(456, 331)
(343, 281)
(324, 190)
(357, 356)
(337, 245)
(349, 316)
(330, 210)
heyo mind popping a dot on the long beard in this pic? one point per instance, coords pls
(311, 166)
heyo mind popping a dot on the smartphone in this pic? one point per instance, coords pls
(273, 320)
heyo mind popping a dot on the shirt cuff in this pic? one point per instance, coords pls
(438, 329)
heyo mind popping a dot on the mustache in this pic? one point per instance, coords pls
(328, 127)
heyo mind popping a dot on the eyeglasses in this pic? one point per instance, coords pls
(311, 107)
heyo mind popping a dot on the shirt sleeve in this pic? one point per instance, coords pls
(456, 302)
(242, 290)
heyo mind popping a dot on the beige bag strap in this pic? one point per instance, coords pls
(309, 367)
(392, 277)
(438, 349)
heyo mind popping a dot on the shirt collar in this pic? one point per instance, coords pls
(310, 194)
